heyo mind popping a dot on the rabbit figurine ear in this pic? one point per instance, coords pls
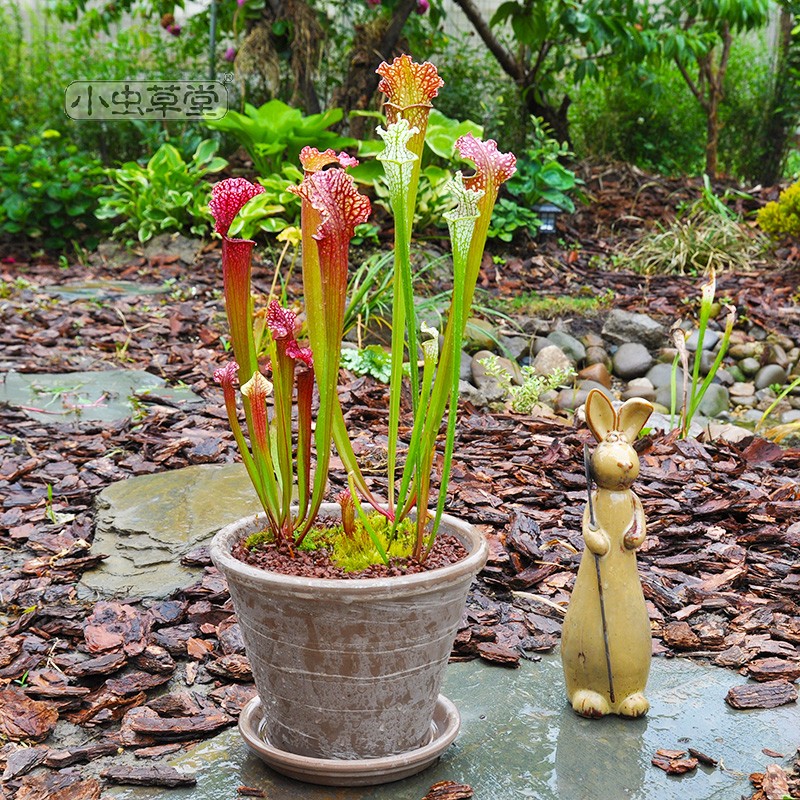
(632, 417)
(600, 414)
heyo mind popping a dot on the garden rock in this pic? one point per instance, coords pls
(777, 355)
(103, 396)
(740, 390)
(572, 399)
(769, 375)
(710, 339)
(596, 372)
(660, 375)
(715, 401)
(488, 385)
(479, 335)
(724, 377)
(727, 432)
(632, 360)
(598, 355)
(640, 387)
(625, 326)
(749, 366)
(465, 371)
(740, 350)
(515, 347)
(664, 397)
(550, 359)
(186, 249)
(539, 344)
(145, 524)
(470, 393)
(569, 345)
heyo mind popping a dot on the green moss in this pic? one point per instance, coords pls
(583, 304)
(356, 552)
(351, 553)
(256, 540)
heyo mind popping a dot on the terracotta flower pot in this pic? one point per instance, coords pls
(348, 669)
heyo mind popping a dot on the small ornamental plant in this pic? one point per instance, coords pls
(277, 395)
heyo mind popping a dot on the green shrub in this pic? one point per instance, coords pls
(540, 177)
(167, 194)
(38, 46)
(781, 217)
(744, 109)
(275, 133)
(649, 119)
(49, 192)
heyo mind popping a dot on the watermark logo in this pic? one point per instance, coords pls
(161, 100)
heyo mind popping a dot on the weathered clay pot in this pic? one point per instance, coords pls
(348, 669)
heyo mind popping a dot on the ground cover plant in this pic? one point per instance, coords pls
(49, 192)
(166, 194)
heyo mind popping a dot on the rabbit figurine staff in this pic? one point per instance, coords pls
(605, 642)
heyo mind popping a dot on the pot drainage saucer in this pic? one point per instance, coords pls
(358, 772)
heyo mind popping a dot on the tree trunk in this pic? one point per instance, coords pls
(712, 135)
(554, 116)
(373, 44)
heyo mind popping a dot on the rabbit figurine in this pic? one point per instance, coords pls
(605, 642)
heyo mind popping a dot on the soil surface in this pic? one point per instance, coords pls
(720, 567)
(317, 563)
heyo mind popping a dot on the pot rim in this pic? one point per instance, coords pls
(431, 580)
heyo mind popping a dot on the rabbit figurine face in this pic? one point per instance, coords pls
(605, 640)
(615, 464)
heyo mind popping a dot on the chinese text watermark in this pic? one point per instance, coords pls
(162, 100)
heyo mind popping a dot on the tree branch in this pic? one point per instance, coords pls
(504, 58)
(690, 83)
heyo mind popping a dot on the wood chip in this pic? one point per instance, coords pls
(704, 759)
(673, 765)
(58, 759)
(498, 654)
(233, 667)
(774, 784)
(160, 750)
(22, 761)
(101, 665)
(680, 636)
(761, 695)
(249, 791)
(449, 790)
(770, 669)
(23, 719)
(114, 626)
(149, 775)
(176, 728)
(65, 785)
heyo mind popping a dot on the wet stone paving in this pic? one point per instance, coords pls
(519, 739)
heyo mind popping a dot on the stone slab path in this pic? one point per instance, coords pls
(519, 740)
(99, 396)
(145, 524)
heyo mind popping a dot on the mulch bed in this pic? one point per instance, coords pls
(720, 567)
